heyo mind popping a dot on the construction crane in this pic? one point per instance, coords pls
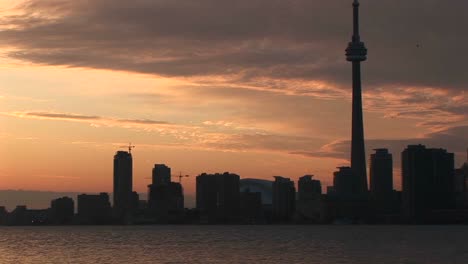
(180, 176)
(130, 147)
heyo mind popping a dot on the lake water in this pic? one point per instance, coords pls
(235, 244)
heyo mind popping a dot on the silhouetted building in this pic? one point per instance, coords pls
(346, 203)
(161, 174)
(18, 216)
(284, 199)
(218, 197)
(165, 198)
(251, 207)
(207, 196)
(166, 202)
(428, 182)
(3, 215)
(62, 211)
(309, 206)
(308, 188)
(356, 53)
(265, 187)
(461, 185)
(123, 184)
(94, 209)
(381, 180)
(344, 182)
(21, 216)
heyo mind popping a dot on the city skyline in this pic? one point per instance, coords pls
(434, 191)
(272, 102)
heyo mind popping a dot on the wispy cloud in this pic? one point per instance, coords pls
(91, 119)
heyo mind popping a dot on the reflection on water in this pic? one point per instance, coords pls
(235, 244)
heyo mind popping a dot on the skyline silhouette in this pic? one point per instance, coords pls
(434, 192)
(271, 121)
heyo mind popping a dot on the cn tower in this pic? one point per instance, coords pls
(355, 53)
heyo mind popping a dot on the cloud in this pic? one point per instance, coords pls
(293, 48)
(60, 116)
(453, 139)
(91, 119)
(143, 122)
(245, 40)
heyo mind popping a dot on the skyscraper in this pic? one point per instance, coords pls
(284, 199)
(161, 174)
(381, 181)
(123, 182)
(428, 181)
(344, 182)
(381, 173)
(218, 197)
(165, 198)
(355, 53)
(308, 188)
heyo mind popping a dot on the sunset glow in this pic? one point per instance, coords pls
(199, 86)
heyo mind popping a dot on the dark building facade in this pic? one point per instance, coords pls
(461, 185)
(218, 197)
(428, 182)
(251, 207)
(381, 179)
(94, 209)
(62, 211)
(3, 215)
(166, 201)
(123, 183)
(344, 182)
(308, 188)
(309, 206)
(165, 198)
(21, 215)
(161, 174)
(284, 199)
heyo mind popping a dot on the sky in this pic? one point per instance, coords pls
(254, 87)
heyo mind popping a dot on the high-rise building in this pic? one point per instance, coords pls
(123, 183)
(166, 202)
(381, 173)
(165, 198)
(284, 199)
(161, 174)
(207, 195)
(428, 182)
(308, 188)
(356, 53)
(309, 205)
(94, 209)
(344, 182)
(218, 197)
(62, 210)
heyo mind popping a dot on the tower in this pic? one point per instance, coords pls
(355, 53)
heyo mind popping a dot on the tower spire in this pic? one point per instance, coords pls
(356, 36)
(356, 53)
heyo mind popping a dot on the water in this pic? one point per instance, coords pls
(235, 244)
